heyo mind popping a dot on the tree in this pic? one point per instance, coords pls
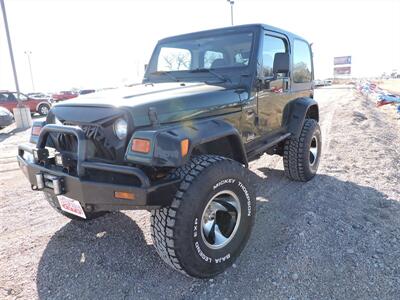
(176, 61)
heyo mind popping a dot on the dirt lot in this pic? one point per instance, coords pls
(337, 236)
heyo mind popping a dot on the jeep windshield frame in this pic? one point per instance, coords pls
(231, 53)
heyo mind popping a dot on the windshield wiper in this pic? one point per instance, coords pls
(204, 70)
(168, 73)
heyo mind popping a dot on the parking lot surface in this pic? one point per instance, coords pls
(337, 236)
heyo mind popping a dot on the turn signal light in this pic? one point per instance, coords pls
(184, 147)
(140, 145)
(36, 130)
(124, 195)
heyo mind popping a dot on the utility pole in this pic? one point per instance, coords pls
(3, 8)
(22, 113)
(28, 54)
(231, 2)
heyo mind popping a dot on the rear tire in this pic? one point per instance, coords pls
(210, 219)
(43, 109)
(53, 201)
(301, 155)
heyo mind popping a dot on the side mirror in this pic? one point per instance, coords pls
(281, 63)
(145, 67)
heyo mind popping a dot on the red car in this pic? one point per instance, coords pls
(64, 95)
(9, 100)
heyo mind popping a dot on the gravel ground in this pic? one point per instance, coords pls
(336, 237)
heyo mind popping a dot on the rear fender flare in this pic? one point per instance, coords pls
(297, 111)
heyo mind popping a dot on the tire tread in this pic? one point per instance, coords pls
(293, 152)
(163, 220)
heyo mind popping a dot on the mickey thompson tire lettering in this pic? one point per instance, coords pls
(176, 230)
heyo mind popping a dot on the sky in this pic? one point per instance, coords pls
(105, 43)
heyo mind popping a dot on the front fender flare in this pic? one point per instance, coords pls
(166, 142)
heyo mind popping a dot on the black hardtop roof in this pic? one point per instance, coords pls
(237, 28)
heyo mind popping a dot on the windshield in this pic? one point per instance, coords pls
(213, 52)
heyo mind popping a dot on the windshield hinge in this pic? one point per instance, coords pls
(153, 117)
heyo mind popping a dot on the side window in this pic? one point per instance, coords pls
(272, 45)
(210, 57)
(3, 97)
(11, 97)
(22, 97)
(301, 62)
(174, 59)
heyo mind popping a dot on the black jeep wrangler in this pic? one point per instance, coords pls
(179, 143)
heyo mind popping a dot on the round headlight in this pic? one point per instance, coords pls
(121, 128)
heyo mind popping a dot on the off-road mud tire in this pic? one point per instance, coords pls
(296, 152)
(176, 230)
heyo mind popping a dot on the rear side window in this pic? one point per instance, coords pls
(301, 62)
(272, 45)
(11, 97)
(22, 97)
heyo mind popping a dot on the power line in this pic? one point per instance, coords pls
(28, 54)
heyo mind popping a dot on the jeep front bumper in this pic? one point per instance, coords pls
(92, 195)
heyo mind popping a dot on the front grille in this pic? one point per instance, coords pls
(102, 146)
(97, 124)
(67, 142)
(92, 131)
(102, 142)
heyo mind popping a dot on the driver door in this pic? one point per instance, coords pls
(273, 89)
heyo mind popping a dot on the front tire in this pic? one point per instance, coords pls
(301, 155)
(210, 219)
